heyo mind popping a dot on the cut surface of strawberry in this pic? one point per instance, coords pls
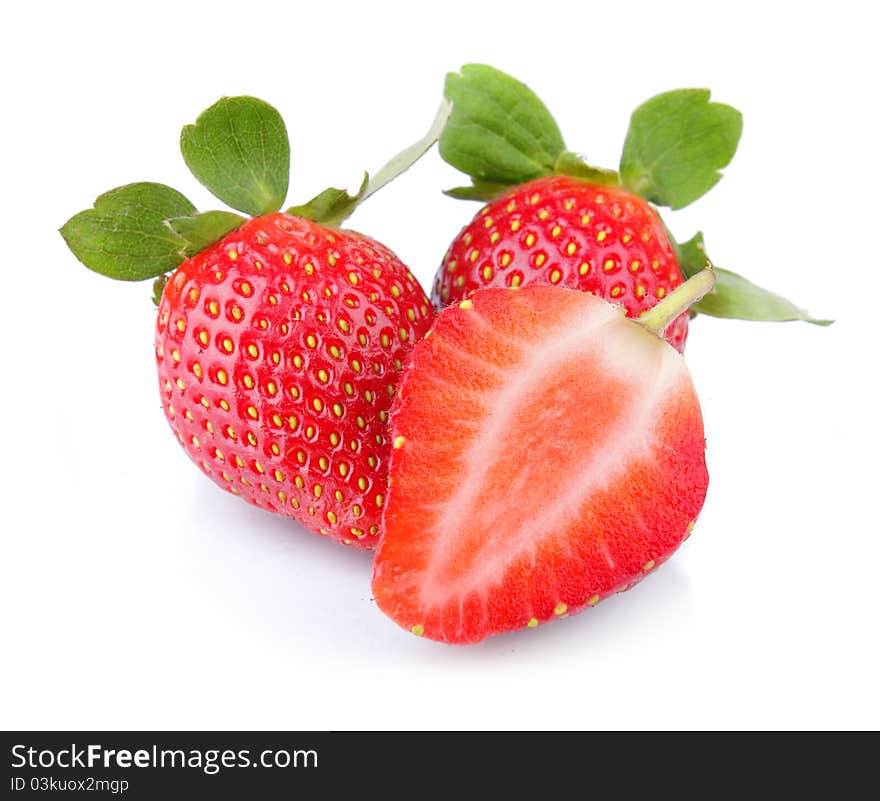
(547, 452)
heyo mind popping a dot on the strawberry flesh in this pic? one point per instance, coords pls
(548, 452)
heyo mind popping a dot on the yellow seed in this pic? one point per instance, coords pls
(252, 412)
(276, 451)
(584, 268)
(660, 291)
(197, 370)
(571, 248)
(203, 337)
(505, 259)
(236, 312)
(593, 601)
(213, 308)
(601, 236)
(252, 439)
(279, 476)
(616, 291)
(317, 490)
(532, 623)
(323, 377)
(640, 291)
(560, 609)
(555, 231)
(609, 265)
(398, 442)
(494, 237)
(585, 220)
(271, 387)
(626, 239)
(515, 225)
(379, 501)
(337, 409)
(530, 240)
(181, 326)
(252, 350)
(540, 259)
(222, 377)
(317, 404)
(227, 345)
(418, 630)
(248, 380)
(277, 421)
(224, 405)
(635, 265)
(555, 276)
(331, 518)
(180, 384)
(515, 280)
(466, 304)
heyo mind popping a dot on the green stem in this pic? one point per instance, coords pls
(681, 298)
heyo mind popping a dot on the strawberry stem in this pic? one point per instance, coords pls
(658, 318)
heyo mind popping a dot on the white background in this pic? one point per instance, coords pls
(135, 594)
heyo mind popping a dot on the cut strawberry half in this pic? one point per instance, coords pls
(548, 452)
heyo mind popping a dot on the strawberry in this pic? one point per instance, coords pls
(279, 350)
(280, 338)
(564, 448)
(554, 219)
(566, 231)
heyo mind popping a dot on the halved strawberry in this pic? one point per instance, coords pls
(547, 452)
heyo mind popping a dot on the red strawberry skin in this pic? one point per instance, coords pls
(564, 231)
(279, 349)
(547, 454)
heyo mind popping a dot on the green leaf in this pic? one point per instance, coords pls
(735, 297)
(331, 206)
(574, 165)
(676, 145)
(738, 298)
(483, 191)
(124, 236)
(159, 288)
(691, 255)
(198, 231)
(238, 149)
(406, 158)
(499, 131)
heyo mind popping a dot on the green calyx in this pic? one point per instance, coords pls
(501, 135)
(239, 150)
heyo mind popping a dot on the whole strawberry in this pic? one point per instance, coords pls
(280, 339)
(553, 219)
(565, 231)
